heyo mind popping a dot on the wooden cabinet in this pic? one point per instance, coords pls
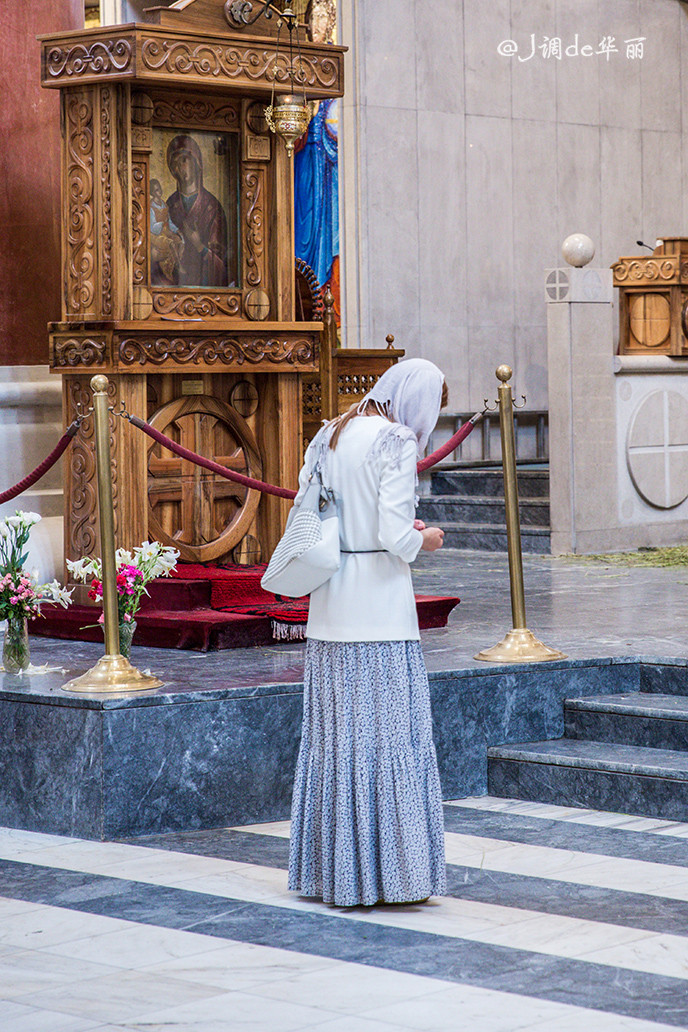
(178, 273)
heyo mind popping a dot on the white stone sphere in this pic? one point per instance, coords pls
(578, 249)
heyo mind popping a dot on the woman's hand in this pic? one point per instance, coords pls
(418, 525)
(433, 538)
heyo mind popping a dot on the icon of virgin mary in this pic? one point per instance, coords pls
(199, 217)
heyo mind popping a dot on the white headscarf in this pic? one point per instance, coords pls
(410, 393)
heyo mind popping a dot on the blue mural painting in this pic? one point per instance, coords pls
(316, 176)
(316, 193)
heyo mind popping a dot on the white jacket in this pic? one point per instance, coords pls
(370, 597)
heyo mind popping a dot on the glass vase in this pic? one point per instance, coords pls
(15, 648)
(127, 630)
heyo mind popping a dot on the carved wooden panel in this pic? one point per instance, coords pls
(81, 530)
(106, 200)
(149, 54)
(141, 138)
(89, 59)
(355, 385)
(286, 351)
(253, 218)
(311, 398)
(195, 59)
(201, 112)
(195, 304)
(649, 319)
(70, 351)
(203, 515)
(79, 231)
(636, 271)
(139, 219)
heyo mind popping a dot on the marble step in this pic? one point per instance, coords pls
(481, 509)
(635, 718)
(491, 538)
(531, 483)
(597, 775)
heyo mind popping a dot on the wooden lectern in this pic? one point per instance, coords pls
(653, 300)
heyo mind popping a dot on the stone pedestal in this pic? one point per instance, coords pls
(197, 755)
(582, 426)
(618, 427)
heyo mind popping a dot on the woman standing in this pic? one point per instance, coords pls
(367, 822)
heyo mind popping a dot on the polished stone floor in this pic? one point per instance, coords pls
(585, 609)
(555, 920)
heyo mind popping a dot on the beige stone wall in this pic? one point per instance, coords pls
(462, 171)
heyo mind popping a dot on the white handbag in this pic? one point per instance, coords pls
(308, 552)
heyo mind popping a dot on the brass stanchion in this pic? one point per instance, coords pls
(113, 672)
(520, 645)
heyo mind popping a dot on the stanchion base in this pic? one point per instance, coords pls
(112, 674)
(519, 646)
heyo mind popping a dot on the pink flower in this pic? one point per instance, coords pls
(101, 618)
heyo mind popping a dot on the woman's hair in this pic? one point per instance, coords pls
(370, 409)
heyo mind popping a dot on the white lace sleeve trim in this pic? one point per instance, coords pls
(389, 444)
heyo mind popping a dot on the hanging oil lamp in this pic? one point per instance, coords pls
(288, 116)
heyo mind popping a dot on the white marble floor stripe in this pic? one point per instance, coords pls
(574, 866)
(549, 934)
(574, 815)
(102, 969)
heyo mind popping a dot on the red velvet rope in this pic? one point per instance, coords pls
(284, 492)
(447, 448)
(214, 467)
(47, 463)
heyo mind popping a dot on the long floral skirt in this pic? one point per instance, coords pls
(366, 821)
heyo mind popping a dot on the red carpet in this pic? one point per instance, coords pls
(208, 608)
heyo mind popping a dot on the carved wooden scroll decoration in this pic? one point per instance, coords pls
(148, 53)
(191, 306)
(200, 112)
(646, 270)
(81, 260)
(82, 486)
(254, 192)
(210, 350)
(68, 352)
(79, 60)
(106, 201)
(248, 63)
(139, 216)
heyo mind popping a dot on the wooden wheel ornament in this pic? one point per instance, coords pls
(202, 514)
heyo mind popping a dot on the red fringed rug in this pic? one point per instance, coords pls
(236, 589)
(213, 607)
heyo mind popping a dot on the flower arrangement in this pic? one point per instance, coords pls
(21, 595)
(135, 570)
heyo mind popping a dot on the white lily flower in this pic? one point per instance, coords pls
(29, 519)
(147, 550)
(14, 521)
(82, 569)
(4, 530)
(76, 568)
